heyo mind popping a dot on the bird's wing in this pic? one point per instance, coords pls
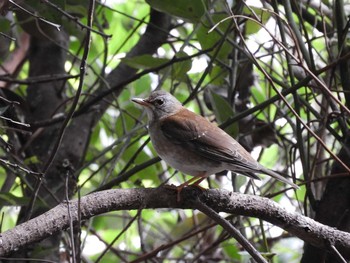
(196, 133)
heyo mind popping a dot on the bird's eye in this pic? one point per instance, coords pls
(158, 102)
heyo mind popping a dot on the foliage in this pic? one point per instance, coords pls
(267, 72)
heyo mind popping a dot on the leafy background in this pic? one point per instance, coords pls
(273, 73)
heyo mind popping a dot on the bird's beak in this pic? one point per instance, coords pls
(142, 102)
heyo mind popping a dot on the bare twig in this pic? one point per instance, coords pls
(231, 230)
(39, 79)
(88, 27)
(57, 26)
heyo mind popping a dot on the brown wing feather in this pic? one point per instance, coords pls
(208, 140)
(196, 133)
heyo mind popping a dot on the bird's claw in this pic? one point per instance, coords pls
(179, 188)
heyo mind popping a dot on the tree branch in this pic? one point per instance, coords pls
(56, 219)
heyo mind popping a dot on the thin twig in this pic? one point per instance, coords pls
(7, 36)
(73, 18)
(337, 254)
(39, 79)
(71, 225)
(89, 104)
(15, 122)
(57, 26)
(231, 230)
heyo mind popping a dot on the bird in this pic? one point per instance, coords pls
(191, 144)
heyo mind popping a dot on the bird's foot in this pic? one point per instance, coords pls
(179, 188)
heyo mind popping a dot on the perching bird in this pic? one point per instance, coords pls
(191, 144)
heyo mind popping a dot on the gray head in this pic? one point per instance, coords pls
(159, 104)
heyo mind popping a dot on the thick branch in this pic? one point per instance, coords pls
(56, 219)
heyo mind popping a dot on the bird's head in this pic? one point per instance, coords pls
(159, 104)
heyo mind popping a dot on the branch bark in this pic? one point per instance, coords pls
(57, 219)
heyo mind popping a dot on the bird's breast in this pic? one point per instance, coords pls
(180, 157)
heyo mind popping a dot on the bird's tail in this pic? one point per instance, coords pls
(278, 177)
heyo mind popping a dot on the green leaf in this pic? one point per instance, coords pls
(5, 24)
(208, 40)
(140, 86)
(232, 251)
(191, 11)
(144, 61)
(77, 10)
(217, 75)
(180, 69)
(32, 160)
(7, 45)
(45, 11)
(186, 225)
(223, 111)
(252, 27)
